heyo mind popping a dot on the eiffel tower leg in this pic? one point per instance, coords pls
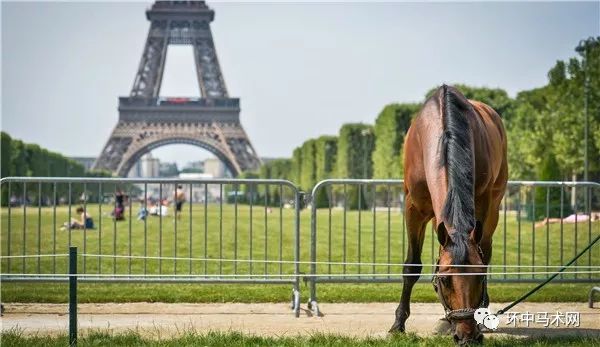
(149, 75)
(112, 155)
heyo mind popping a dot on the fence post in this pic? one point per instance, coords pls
(312, 303)
(72, 296)
(296, 290)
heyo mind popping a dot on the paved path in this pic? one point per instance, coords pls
(360, 320)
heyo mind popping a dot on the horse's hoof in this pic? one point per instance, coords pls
(442, 327)
(397, 328)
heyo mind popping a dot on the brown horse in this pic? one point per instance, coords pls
(455, 172)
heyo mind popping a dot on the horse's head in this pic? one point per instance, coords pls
(460, 295)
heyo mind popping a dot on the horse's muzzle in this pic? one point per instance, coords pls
(474, 341)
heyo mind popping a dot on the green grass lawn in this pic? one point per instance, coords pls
(15, 338)
(226, 233)
(207, 293)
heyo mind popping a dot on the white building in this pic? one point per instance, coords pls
(213, 190)
(214, 167)
(149, 166)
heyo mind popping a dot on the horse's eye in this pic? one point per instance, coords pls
(445, 280)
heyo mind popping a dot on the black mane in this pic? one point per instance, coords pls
(456, 155)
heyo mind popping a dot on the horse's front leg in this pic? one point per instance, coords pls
(416, 222)
(486, 249)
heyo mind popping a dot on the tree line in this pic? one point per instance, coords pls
(30, 160)
(545, 128)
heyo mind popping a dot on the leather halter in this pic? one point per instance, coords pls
(461, 313)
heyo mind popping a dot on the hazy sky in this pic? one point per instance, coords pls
(301, 70)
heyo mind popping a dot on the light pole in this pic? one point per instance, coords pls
(582, 47)
(364, 133)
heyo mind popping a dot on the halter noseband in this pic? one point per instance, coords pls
(461, 313)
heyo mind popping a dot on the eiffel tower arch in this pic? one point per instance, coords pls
(147, 121)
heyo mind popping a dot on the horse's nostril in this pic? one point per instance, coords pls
(456, 338)
(479, 338)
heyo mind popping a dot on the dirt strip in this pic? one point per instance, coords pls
(163, 320)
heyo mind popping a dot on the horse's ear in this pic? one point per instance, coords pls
(477, 233)
(442, 234)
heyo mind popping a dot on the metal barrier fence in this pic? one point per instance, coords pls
(248, 231)
(228, 230)
(358, 233)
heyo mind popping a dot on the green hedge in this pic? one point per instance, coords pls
(308, 177)
(354, 159)
(325, 157)
(276, 169)
(390, 129)
(355, 148)
(30, 160)
(296, 165)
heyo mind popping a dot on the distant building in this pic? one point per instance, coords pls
(150, 166)
(195, 176)
(136, 170)
(87, 162)
(196, 192)
(214, 167)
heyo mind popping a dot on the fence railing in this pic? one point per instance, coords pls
(228, 230)
(358, 232)
(248, 231)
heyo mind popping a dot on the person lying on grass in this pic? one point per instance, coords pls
(85, 221)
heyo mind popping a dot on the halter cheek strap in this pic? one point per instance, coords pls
(461, 313)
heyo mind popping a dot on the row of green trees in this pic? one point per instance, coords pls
(545, 129)
(27, 159)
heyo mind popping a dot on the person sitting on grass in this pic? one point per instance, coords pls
(143, 212)
(85, 221)
(119, 210)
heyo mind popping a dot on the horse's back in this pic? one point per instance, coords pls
(489, 135)
(421, 154)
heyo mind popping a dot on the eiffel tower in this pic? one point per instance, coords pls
(147, 121)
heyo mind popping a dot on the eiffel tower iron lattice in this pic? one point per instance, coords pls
(147, 121)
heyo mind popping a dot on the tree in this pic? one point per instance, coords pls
(354, 159)
(5, 164)
(276, 169)
(296, 165)
(18, 158)
(390, 129)
(5, 146)
(548, 171)
(549, 121)
(325, 158)
(529, 134)
(308, 173)
(355, 148)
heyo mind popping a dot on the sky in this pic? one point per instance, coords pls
(301, 69)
